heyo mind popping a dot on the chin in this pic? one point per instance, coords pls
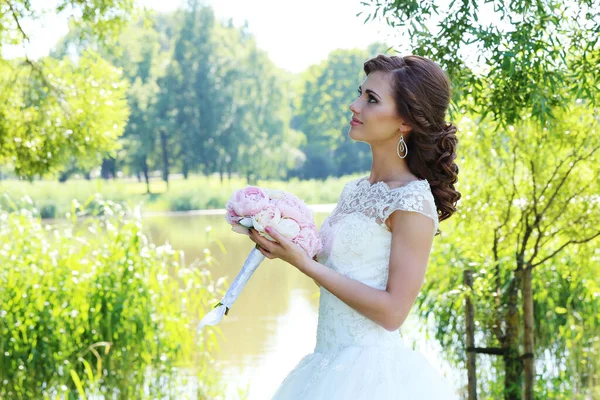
(354, 136)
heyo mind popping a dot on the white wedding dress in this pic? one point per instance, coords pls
(355, 358)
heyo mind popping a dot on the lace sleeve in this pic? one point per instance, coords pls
(414, 199)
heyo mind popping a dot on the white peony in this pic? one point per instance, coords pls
(288, 228)
(268, 216)
(274, 194)
(247, 222)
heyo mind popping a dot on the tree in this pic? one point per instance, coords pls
(141, 50)
(142, 59)
(53, 112)
(530, 206)
(531, 57)
(527, 172)
(323, 114)
(222, 101)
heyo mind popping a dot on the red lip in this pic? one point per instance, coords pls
(355, 122)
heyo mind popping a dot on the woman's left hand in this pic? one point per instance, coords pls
(284, 248)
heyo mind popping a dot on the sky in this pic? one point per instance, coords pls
(295, 34)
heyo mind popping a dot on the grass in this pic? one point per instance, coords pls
(53, 199)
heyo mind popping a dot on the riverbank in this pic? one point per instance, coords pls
(221, 211)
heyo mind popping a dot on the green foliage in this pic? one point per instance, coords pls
(525, 85)
(57, 111)
(323, 115)
(89, 306)
(104, 17)
(530, 198)
(57, 114)
(506, 58)
(222, 104)
(203, 98)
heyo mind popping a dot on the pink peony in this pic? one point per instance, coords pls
(309, 240)
(261, 207)
(231, 216)
(308, 224)
(237, 228)
(292, 207)
(248, 201)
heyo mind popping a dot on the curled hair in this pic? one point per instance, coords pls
(421, 91)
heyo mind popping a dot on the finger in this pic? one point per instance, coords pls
(261, 240)
(263, 243)
(274, 234)
(253, 234)
(265, 253)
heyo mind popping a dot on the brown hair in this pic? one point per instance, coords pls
(421, 91)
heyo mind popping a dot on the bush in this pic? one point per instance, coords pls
(92, 308)
(184, 202)
(48, 211)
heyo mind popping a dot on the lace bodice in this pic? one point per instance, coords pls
(357, 243)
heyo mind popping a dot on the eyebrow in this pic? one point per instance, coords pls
(369, 91)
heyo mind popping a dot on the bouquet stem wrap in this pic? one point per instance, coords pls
(222, 308)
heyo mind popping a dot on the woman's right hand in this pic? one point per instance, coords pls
(314, 258)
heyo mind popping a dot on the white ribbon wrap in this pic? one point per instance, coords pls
(216, 315)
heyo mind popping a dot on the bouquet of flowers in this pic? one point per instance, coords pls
(258, 208)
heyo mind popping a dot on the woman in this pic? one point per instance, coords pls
(376, 242)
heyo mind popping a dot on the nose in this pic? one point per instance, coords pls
(353, 107)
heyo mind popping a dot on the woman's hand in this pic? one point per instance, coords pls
(283, 248)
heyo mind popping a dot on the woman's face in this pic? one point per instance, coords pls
(374, 111)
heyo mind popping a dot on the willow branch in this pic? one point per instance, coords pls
(16, 18)
(585, 240)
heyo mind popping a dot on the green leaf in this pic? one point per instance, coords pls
(78, 384)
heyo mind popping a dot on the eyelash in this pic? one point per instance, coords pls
(370, 96)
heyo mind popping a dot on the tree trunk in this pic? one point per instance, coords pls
(108, 169)
(64, 176)
(185, 169)
(512, 362)
(165, 153)
(145, 170)
(528, 357)
(470, 330)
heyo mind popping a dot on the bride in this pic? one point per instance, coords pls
(376, 242)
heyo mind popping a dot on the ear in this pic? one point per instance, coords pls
(404, 128)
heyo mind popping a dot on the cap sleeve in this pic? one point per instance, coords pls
(415, 199)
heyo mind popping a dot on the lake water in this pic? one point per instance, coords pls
(273, 323)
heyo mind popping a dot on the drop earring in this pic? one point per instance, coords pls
(402, 147)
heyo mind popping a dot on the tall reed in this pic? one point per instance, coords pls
(90, 308)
